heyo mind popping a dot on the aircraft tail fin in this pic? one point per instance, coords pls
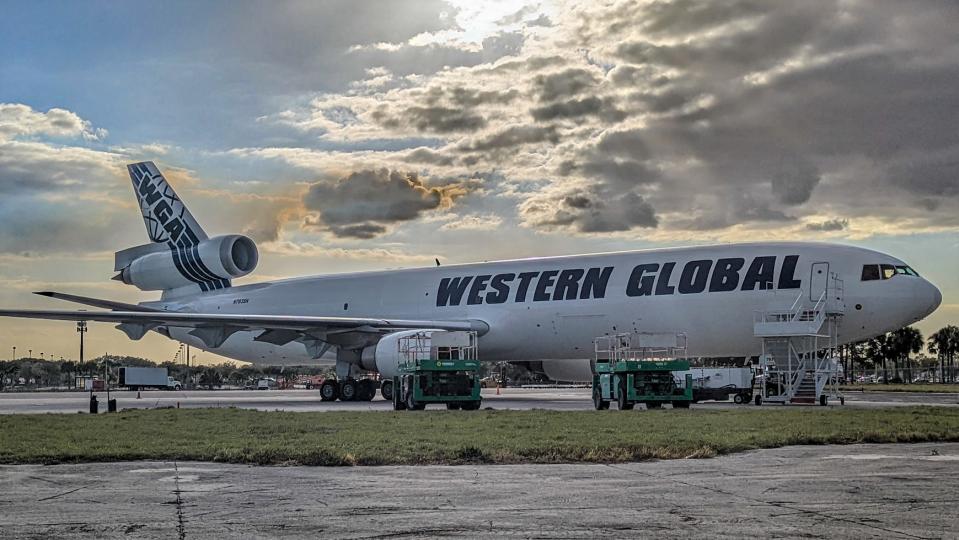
(173, 230)
(164, 214)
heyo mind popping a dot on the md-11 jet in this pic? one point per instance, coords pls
(542, 309)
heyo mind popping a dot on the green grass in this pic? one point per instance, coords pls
(429, 437)
(918, 388)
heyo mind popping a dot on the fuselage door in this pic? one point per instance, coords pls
(818, 280)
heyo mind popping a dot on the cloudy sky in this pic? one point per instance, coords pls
(344, 135)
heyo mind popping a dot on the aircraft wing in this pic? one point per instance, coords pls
(215, 328)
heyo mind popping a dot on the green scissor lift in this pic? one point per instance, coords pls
(437, 367)
(638, 368)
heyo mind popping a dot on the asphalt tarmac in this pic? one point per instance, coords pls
(309, 400)
(856, 491)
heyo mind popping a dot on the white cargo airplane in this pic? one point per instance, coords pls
(546, 309)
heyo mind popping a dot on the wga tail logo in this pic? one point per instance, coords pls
(162, 210)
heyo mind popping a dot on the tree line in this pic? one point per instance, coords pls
(891, 355)
(42, 373)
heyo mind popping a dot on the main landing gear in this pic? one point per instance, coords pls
(348, 390)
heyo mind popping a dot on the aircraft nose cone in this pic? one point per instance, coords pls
(927, 298)
(936, 299)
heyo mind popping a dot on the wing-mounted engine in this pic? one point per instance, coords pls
(209, 264)
(385, 356)
(562, 370)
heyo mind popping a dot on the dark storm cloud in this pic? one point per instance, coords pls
(427, 155)
(794, 182)
(469, 98)
(442, 119)
(363, 231)
(564, 84)
(591, 212)
(574, 108)
(829, 225)
(363, 203)
(513, 136)
(625, 173)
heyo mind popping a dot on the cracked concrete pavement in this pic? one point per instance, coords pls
(855, 491)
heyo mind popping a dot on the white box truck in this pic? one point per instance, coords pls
(138, 378)
(719, 382)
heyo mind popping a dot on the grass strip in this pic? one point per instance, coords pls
(452, 437)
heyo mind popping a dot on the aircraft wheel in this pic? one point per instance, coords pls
(824, 400)
(386, 390)
(329, 390)
(758, 400)
(412, 404)
(599, 403)
(738, 399)
(348, 390)
(842, 400)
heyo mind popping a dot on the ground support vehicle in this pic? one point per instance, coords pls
(648, 382)
(440, 368)
(638, 368)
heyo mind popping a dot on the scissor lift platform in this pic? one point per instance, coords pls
(438, 367)
(643, 373)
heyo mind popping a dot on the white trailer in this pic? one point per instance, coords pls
(137, 378)
(718, 383)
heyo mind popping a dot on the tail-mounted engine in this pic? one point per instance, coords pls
(209, 264)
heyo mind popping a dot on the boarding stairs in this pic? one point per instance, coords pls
(798, 364)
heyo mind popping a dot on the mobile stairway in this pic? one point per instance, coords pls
(799, 363)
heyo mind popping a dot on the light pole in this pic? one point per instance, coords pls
(14, 352)
(30, 353)
(81, 329)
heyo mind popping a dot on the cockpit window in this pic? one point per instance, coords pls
(873, 272)
(906, 271)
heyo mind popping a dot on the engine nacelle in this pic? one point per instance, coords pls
(384, 357)
(565, 370)
(215, 260)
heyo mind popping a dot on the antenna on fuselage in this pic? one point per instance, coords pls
(437, 262)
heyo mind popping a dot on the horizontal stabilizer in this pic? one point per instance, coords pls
(95, 302)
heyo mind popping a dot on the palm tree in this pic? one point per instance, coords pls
(904, 342)
(945, 344)
(878, 350)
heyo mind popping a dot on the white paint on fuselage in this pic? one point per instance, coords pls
(716, 323)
